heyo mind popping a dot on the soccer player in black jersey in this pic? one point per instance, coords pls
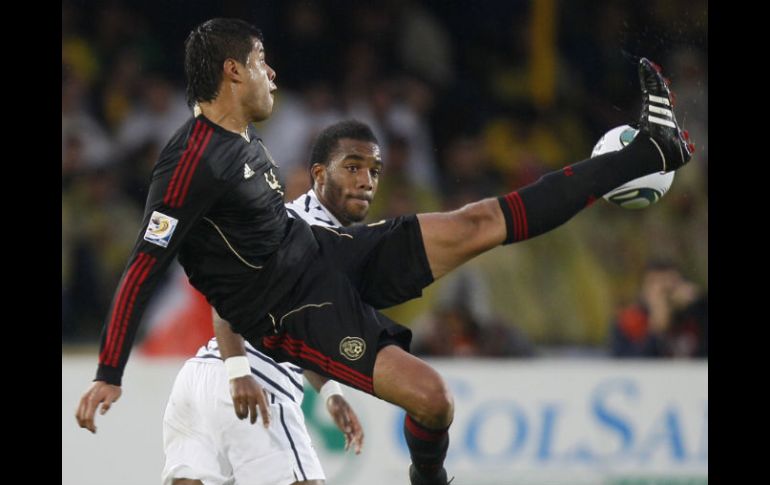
(346, 168)
(309, 295)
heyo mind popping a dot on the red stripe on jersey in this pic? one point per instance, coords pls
(192, 162)
(189, 176)
(142, 260)
(117, 310)
(335, 372)
(325, 363)
(168, 197)
(516, 221)
(523, 212)
(188, 164)
(113, 361)
(299, 348)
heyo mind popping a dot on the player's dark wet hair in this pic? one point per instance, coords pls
(327, 140)
(206, 49)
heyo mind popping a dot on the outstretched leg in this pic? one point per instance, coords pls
(453, 238)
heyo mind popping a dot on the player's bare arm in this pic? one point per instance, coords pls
(342, 413)
(99, 393)
(245, 391)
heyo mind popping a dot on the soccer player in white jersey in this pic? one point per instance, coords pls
(203, 442)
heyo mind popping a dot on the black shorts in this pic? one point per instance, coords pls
(328, 322)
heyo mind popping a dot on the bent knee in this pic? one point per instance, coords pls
(437, 405)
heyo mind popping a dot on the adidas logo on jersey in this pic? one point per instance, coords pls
(247, 171)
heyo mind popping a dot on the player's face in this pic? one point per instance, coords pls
(347, 185)
(258, 98)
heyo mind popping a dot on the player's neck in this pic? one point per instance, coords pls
(327, 205)
(227, 115)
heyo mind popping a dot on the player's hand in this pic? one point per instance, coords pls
(347, 421)
(99, 393)
(247, 395)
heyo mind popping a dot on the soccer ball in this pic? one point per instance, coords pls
(638, 193)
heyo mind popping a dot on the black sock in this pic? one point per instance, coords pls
(427, 447)
(557, 196)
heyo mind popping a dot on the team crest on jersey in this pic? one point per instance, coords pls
(352, 348)
(273, 181)
(160, 229)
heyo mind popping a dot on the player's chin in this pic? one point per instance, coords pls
(357, 210)
(265, 110)
(261, 116)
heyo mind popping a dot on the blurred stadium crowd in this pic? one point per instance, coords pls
(468, 99)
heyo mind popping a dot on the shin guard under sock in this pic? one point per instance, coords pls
(558, 196)
(427, 447)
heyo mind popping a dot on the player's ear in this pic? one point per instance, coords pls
(232, 69)
(318, 171)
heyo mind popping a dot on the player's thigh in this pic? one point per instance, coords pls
(190, 443)
(294, 434)
(278, 455)
(452, 238)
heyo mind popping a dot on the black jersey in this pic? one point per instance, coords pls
(216, 202)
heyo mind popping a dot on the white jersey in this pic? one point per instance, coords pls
(309, 209)
(283, 379)
(203, 440)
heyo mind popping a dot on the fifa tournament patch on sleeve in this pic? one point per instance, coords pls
(160, 229)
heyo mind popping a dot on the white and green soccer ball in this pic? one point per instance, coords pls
(638, 193)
